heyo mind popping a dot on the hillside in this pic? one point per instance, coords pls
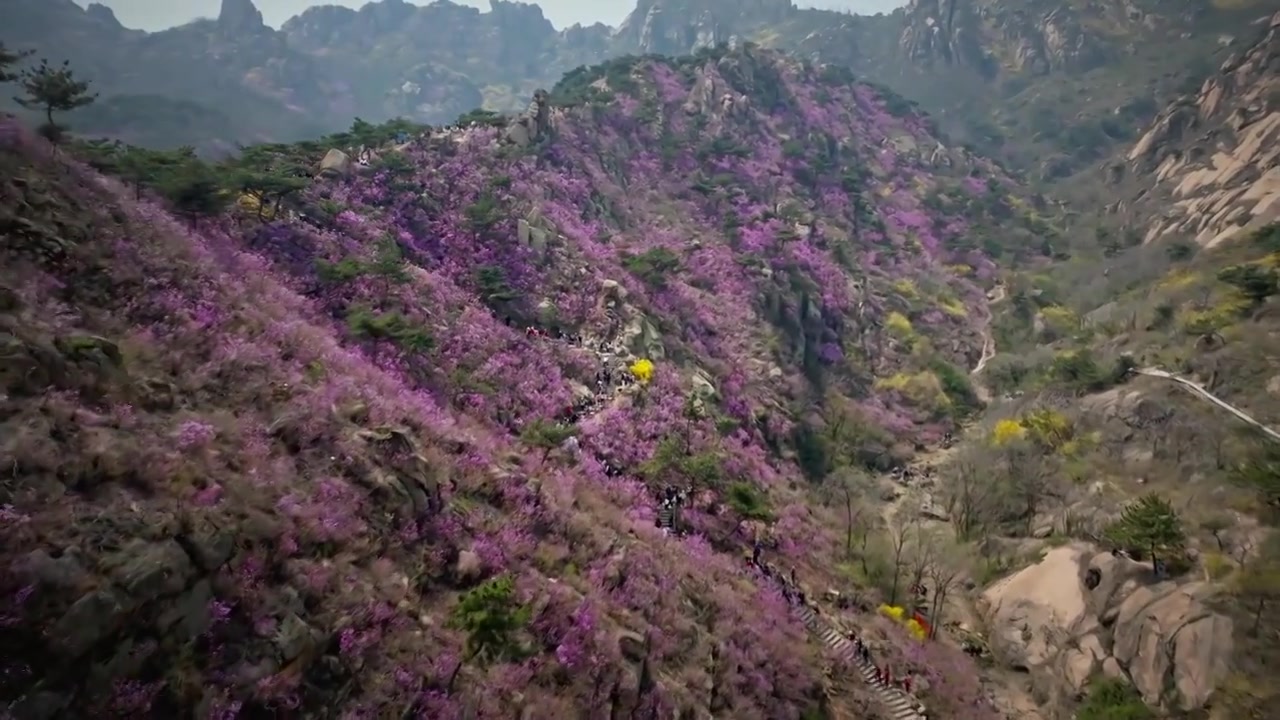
(323, 461)
(1178, 279)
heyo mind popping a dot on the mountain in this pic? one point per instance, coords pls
(1051, 88)
(326, 66)
(1032, 409)
(314, 463)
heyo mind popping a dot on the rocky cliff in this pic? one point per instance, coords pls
(1208, 167)
(1078, 615)
(324, 461)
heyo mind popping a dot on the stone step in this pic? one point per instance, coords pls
(900, 705)
(666, 517)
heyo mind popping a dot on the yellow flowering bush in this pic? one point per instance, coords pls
(1007, 431)
(898, 614)
(642, 369)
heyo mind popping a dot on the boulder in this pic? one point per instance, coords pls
(469, 566)
(641, 337)
(335, 163)
(1078, 614)
(534, 124)
(1176, 650)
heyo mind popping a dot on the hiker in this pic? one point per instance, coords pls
(572, 446)
(755, 553)
(906, 684)
(794, 581)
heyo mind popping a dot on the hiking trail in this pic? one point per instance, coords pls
(1199, 390)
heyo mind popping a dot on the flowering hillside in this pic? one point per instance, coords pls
(379, 455)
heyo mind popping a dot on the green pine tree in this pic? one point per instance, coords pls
(492, 618)
(1152, 525)
(546, 435)
(53, 89)
(195, 190)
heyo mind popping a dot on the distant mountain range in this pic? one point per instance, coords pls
(1069, 80)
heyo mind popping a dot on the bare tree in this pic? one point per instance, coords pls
(1030, 479)
(1214, 525)
(968, 494)
(850, 486)
(901, 533)
(922, 555)
(943, 576)
(1180, 432)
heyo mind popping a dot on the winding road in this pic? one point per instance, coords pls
(1199, 390)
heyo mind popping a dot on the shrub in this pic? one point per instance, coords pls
(1111, 699)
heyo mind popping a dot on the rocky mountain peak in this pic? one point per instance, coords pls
(103, 14)
(678, 27)
(1210, 161)
(240, 16)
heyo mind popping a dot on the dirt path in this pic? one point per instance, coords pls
(1009, 691)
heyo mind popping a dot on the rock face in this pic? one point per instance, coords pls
(534, 124)
(1211, 160)
(995, 37)
(239, 16)
(943, 31)
(678, 27)
(1079, 613)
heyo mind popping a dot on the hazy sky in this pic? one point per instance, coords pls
(160, 14)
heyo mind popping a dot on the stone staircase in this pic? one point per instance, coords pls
(900, 705)
(667, 517)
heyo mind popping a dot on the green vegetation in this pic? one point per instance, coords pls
(546, 435)
(1111, 699)
(492, 618)
(261, 180)
(1152, 526)
(51, 89)
(481, 117)
(652, 266)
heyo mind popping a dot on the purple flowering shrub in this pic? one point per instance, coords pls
(238, 484)
(313, 427)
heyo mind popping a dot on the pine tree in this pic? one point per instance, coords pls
(1150, 524)
(546, 435)
(492, 618)
(53, 89)
(196, 191)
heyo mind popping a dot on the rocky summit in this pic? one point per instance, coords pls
(742, 361)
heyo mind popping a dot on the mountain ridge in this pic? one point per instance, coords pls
(433, 63)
